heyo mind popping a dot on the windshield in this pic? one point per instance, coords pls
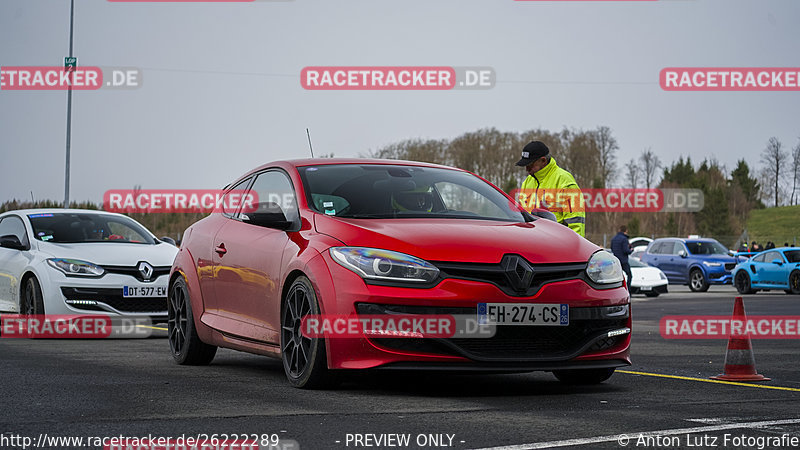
(636, 262)
(81, 227)
(396, 191)
(706, 248)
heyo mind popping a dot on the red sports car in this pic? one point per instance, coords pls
(359, 238)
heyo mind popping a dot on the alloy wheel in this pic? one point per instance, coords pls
(296, 347)
(177, 320)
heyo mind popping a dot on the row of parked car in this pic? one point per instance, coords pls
(702, 262)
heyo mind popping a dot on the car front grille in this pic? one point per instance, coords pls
(90, 300)
(514, 275)
(587, 332)
(729, 266)
(134, 272)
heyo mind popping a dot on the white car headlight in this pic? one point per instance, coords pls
(711, 264)
(604, 268)
(385, 265)
(662, 276)
(76, 267)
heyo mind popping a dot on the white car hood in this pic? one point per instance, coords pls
(645, 274)
(112, 253)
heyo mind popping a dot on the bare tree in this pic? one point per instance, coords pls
(650, 165)
(773, 160)
(607, 147)
(795, 172)
(633, 171)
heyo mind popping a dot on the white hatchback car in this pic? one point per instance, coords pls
(74, 261)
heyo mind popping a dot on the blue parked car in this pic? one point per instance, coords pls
(777, 268)
(697, 262)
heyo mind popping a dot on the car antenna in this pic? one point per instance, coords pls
(310, 147)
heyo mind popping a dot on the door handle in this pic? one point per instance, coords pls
(221, 249)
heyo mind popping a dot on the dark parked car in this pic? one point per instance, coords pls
(696, 262)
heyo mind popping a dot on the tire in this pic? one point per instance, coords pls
(304, 359)
(742, 283)
(583, 376)
(184, 344)
(32, 302)
(651, 294)
(697, 281)
(794, 282)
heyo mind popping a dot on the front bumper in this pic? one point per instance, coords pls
(73, 295)
(719, 277)
(645, 288)
(583, 344)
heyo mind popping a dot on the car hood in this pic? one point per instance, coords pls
(112, 253)
(648, 273)
(714, 258)
(462, 240)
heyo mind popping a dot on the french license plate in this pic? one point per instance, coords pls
(646, 288)
(144, 291)
(523, 314)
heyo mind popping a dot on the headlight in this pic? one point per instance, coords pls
(711, 264)
(662, 276)
(76, 267)
(377, 264)
(604, 268)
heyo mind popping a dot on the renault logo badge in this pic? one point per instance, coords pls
(146, 270)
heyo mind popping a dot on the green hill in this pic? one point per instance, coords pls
(778, 225)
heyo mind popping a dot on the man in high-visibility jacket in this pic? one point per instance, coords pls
(551, 187)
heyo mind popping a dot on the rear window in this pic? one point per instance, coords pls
(70, 228)
(793, 256)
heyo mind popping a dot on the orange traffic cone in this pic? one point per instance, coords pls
(740, 365)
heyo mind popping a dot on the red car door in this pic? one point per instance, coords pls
(249, 265)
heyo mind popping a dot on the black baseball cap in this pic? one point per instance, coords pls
(533, 151)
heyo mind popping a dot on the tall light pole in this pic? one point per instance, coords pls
(69, 108)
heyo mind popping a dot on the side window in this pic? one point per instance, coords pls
(229, 207)
(655, 248)
(13, 225)
(771, 256)
(678, 247)
(273, 188)
(759, 258)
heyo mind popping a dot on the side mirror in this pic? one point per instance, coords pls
(543, 213)
(268, 215)
(777, 261)
(682, 253)
(168, 240)
(12, 242)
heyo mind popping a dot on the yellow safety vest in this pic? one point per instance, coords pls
(553, 181)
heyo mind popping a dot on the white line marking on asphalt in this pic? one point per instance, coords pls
(637, 434)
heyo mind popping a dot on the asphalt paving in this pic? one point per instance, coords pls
(106, 388)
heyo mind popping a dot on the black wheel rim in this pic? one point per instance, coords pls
(29, 309)
(296, 347)
(794, 282)
(741, 282)
(178, 320)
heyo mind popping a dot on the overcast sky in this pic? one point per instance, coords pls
(221, 92)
